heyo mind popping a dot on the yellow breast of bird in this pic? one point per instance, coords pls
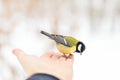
(66, 50)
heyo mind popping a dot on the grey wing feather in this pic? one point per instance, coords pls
(47, 34)
(57, 38)
(60, 39)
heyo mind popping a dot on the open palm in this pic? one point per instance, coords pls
(50, 63)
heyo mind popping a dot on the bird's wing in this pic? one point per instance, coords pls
(60, 39)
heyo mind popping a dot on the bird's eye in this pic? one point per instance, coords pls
(79, 47)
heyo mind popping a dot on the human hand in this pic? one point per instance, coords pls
(50, 63)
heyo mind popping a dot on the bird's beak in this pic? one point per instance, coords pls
(80, 53)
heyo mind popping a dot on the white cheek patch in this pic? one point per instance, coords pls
(79, 47)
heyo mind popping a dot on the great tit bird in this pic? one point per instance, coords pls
(66, 44)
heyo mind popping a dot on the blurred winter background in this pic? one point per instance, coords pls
(95, 22)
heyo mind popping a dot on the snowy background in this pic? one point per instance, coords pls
(95, 22)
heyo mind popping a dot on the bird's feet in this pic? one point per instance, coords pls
(67, 55)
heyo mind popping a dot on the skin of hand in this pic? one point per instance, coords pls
(50, 63)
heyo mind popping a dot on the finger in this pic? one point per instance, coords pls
(18, 53)
(47, 54)
(56, 56)
(25, 60)
(63, 58)
(21, 56)
(70, 58)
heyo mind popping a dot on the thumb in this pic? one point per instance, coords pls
(23, 59)
(19, 54)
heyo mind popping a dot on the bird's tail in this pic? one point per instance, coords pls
(47, 34)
